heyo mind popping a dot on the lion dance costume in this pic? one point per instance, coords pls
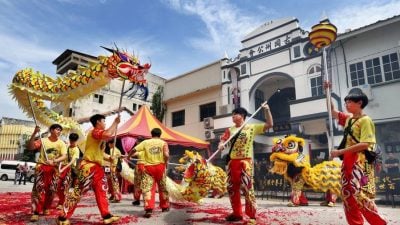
(289, 161)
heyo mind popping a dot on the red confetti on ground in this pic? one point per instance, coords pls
(15, 209)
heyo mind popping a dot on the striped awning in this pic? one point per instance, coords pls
(143, 122)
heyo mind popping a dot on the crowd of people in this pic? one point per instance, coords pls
(98, 168)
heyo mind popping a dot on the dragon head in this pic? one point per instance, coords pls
(285, 151)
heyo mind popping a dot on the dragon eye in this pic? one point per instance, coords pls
(291, 144)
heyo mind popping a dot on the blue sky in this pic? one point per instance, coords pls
(176, 36)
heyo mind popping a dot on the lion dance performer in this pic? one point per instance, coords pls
(240, 167)
(65, 179)
(52, 151)
(358, 182)
(156, 156)
(92, 172)
(112, 173)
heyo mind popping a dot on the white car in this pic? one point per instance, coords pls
(7, 170)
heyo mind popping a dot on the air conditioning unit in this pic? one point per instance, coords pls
(208, 123)
(225, 109)
(209, 134)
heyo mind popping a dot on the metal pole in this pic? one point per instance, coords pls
(34, 120)
(328, 100)
(229, 139)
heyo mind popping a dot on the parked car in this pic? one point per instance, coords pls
(8, 167)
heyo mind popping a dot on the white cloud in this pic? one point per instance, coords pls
(355, 16)
(226, 25)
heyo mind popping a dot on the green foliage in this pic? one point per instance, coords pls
(157, 105)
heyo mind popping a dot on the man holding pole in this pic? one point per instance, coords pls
(92, 172)
(240, 166)
(52, 151)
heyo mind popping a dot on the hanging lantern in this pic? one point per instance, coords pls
(323, 34)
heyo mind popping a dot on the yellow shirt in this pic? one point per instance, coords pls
(94, 147)
(117, 153)
(53, 149)
(73, 154)
(153, 151)
(243, 146)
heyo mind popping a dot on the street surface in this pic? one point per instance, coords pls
(15, 209)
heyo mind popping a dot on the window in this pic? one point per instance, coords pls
(243, 69)
(134, 107)
(259, 99)
(178, 118)
(374, 72)
(357, 74)
(391, 66)
(98, 98)
(296, 51)
(315, 80)
(208, 110)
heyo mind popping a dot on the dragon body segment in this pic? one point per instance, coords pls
(31, 89)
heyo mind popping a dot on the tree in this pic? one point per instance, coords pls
(157, 105)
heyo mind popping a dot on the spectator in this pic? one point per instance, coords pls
(17, 173)
(23, 173)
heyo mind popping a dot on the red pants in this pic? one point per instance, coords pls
(64, 183)
(154, 174)
(91, 176)
(357, 203)
(240, 177)
(113, 184)
(44, 187)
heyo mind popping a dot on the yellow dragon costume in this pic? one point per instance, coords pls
(199, 179)
(288, 160)
(31, 89)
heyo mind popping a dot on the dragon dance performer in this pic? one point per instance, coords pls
(358, 181)
(240, 167)
(52, 151)
(112, 174)
(65, 179)
(92, 172)
(156, 155)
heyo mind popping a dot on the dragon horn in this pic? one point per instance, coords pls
(109, 49)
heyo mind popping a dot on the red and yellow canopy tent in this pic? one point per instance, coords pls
(141, 124)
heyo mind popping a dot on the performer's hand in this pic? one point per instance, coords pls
(221, 146)
(117, 119)
(327, 84)
(265, 105)
(336, 153)
(37, 130)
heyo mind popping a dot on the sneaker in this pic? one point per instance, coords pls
(324, 203)
(331, 204)
(62, 221)
(291, 204)
(252, 221)
(165, 209)
(148, 213)
(115, 201)
(46, 212)
(111, 219)
(34, 218)
(137, 202)
(233, 218)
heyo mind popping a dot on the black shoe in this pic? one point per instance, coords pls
(148, 213)
(137, 202)
(165, 209)
(233, 218)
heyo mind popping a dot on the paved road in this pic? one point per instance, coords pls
(212, 211)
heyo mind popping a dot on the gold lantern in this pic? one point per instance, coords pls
(323, 34)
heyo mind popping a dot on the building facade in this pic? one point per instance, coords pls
(278, 64)
(13, 135)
